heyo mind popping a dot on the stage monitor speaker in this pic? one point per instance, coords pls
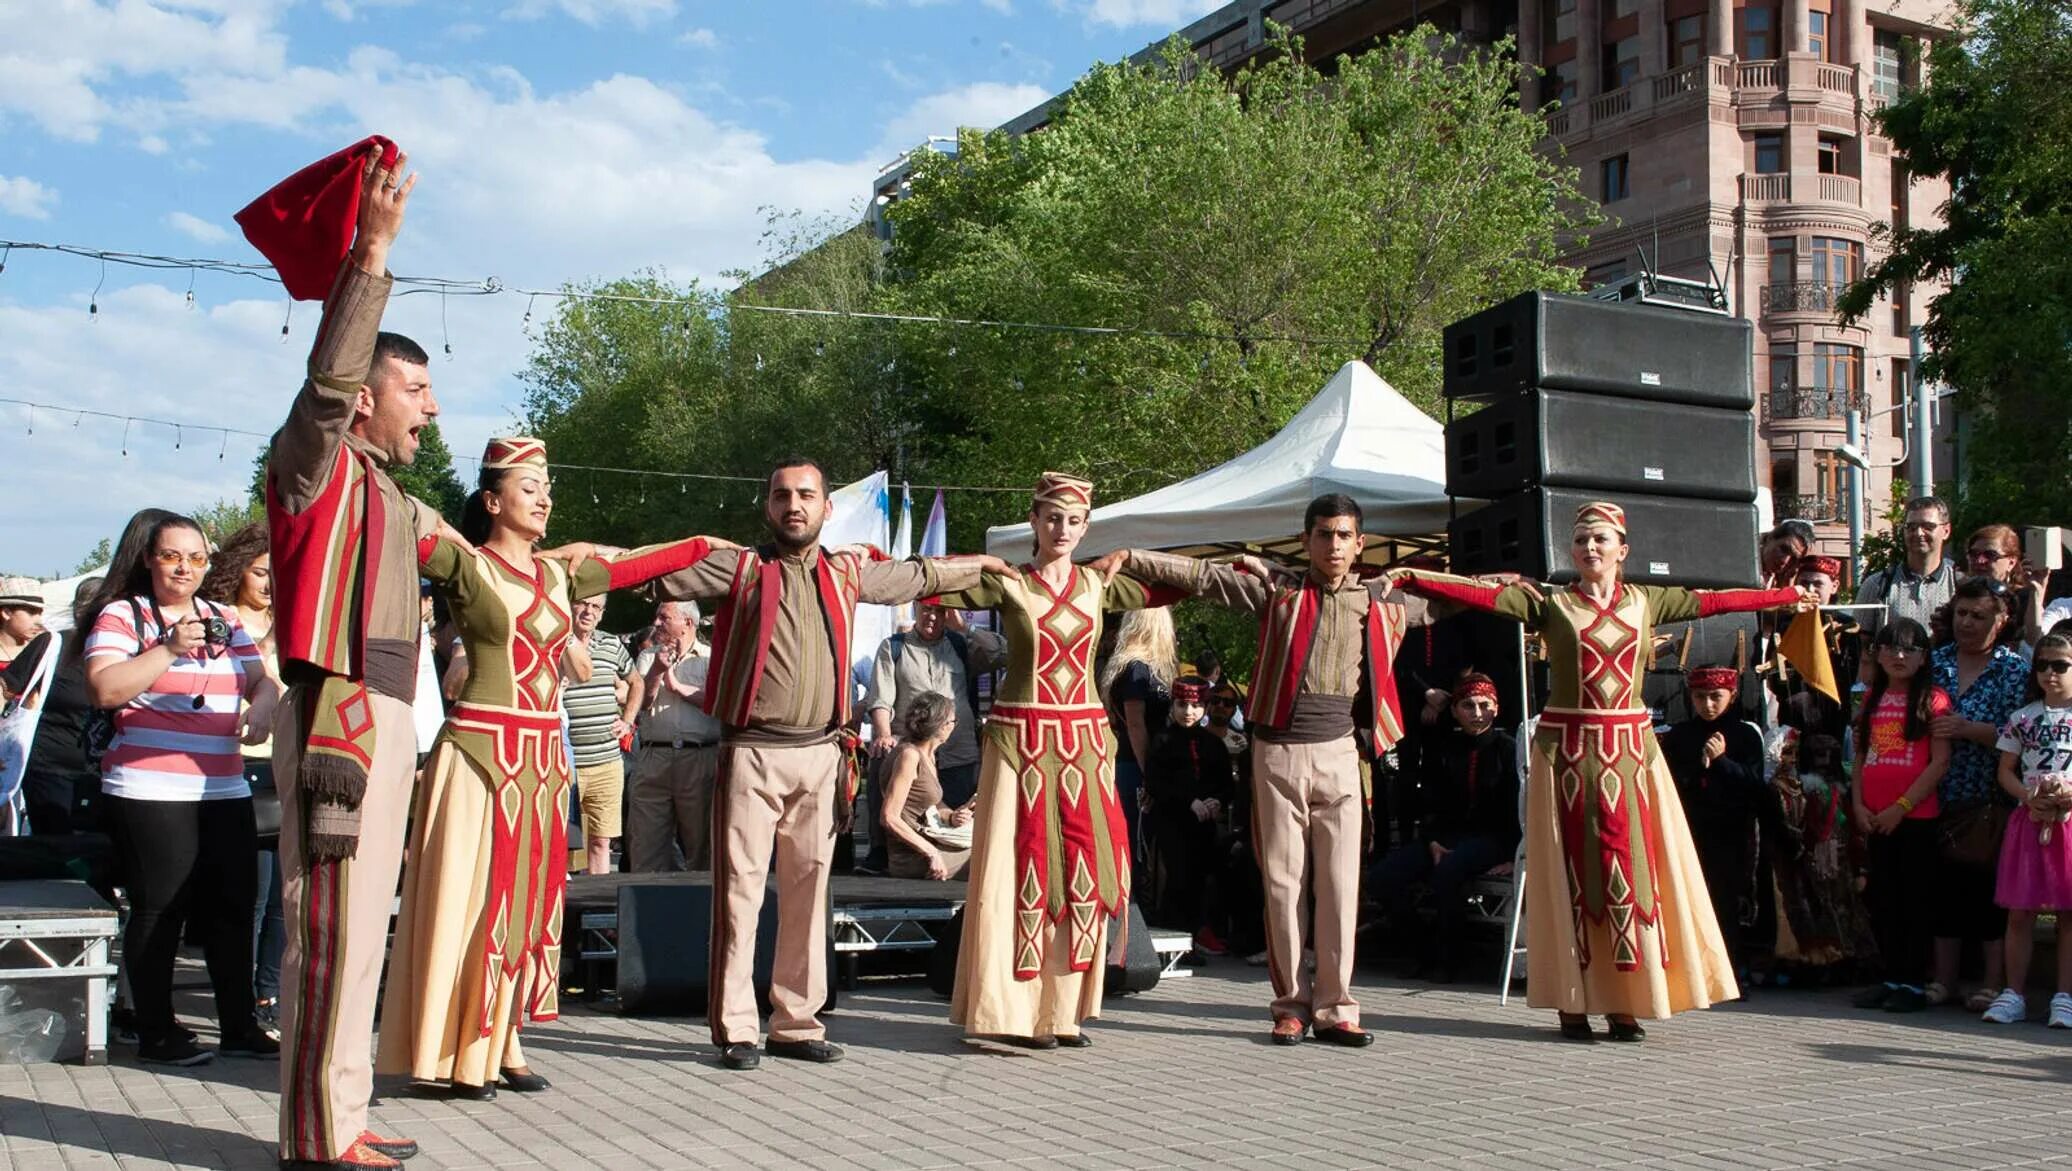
(1572, 439)
(1675, 541)
(1138, 972)
(665, 954)
(1608, 347)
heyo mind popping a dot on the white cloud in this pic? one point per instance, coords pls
(197, 227)
(1003, 7)
(702, 38)
(596, 12)
(985, 105)
(26, 198)
(1172, 14)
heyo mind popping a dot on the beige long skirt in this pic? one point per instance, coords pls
(432, 1005)
(1696, 972)
(989, 1001)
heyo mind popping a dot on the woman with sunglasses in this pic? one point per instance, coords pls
(185, 683)
(1987, 678)
(1996, 552)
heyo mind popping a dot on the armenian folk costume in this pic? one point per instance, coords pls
(344, 544)
(1050, 847)
(1323, 695)
(1724, 802)
(1618, 918)
(779, 685)
(478, 942)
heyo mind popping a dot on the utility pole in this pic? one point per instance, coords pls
(1854, 440)
(1924, 452)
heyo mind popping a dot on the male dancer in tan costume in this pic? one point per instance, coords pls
(779, 685)
(344, 542)
(1324, 678)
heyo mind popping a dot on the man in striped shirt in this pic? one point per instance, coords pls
(599, 717)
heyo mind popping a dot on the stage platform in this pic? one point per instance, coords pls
(870, 916)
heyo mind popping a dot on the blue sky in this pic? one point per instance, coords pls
(558, 139)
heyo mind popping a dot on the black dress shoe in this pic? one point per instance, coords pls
(523, 1083)
(1075, 1040)
(820, 1051)
(1028, 1042)
(1350, 1036)
(464, 1092)
(1289, 1032)
(1626, 1030)
(741, 1055)
(1576, 1028)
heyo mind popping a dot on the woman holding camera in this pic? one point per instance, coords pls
(184, 683)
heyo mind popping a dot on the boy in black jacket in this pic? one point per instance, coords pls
(1190, 781)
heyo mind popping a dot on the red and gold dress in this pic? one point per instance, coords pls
(478, 941)
(1050, 856)
(1617, 916)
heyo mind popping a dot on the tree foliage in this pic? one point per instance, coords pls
(1994, 119)
(431, 478)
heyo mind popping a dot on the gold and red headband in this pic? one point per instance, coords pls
(1190, 693)
(1714, 679)
(1601, 512)
(515, 451)
(1067, 492)
(1831, 566)
(1471, 688)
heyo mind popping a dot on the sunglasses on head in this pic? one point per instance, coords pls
(2053, 666)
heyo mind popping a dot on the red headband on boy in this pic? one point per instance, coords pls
(1190, 693)
(1473, 688)
(1714, 679)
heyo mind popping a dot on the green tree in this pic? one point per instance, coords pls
(96, 558)
(224, 517)
(1994, 120)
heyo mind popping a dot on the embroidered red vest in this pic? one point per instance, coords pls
(747, 617)
(1286, 631)
(321, 557)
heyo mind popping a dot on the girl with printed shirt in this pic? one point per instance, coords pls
(2036, 856)
(1895, 807)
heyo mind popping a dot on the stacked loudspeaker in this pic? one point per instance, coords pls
(1647, 407)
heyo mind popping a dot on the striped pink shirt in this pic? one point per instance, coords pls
(166, 748)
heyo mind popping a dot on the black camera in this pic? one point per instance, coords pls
(215, 631)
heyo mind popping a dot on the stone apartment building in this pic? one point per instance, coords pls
(1729, 138)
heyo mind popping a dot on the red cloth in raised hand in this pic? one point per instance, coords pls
(305, 224)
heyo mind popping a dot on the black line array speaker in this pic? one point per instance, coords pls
(1563, 342)
(1573, 439)
(1676, 540)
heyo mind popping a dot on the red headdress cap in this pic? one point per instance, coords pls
(1601, 512)
(1191, 692)
(1471, 687)
(1714, 679)
(1067, 492)
(305, 225)
(1831, 566)
(515, 451)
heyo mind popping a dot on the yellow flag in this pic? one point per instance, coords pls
(1805, 647)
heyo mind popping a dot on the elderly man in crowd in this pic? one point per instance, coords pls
(669, 807)
(939, 655)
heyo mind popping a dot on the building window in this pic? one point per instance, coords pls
(1686, 41)
(1836, 261)
(1837, 375)
(1827, 468)
(1758, 40)
(1784, 477)
(1559, 21)
(1622, 8)
(1769, 154)
(1901, 319)
(1783, 371)
(1784, 260)
(1616, 179)
(1888, 64)
(1561, 83)
(1816, 34)
(1621, 64)
(1831, 155)
(1902, 374)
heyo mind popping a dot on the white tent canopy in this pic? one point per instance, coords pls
(1358, 437)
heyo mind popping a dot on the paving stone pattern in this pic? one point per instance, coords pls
(1180, 1077)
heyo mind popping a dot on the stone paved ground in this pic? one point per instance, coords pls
(1179, 1077)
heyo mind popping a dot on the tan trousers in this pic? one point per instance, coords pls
(786, 797)
(1307, 814)
(337, 917)
(669, 806)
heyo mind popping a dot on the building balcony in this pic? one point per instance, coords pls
(1799, 297)
(1819, 508)
(1783, 187)
(1809, 404)
(1759, 89)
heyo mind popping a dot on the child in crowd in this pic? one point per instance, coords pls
(1190, 782)
(2036, 856)
(1900, 764)
(1716, 759)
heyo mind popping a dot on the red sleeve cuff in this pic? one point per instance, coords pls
(645, 565)
(1713, 602)
(1481, 597)
(425, 547)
